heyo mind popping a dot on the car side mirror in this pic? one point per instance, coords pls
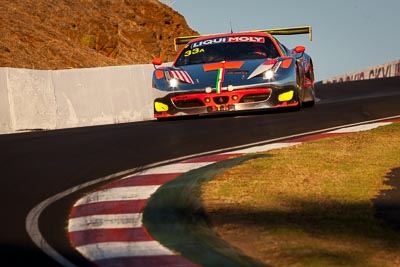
(299, 50)
(157, 62)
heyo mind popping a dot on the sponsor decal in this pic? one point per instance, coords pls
(231, 39)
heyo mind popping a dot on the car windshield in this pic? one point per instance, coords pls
(228, 49)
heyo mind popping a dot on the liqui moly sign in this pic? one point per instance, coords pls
(231, 39)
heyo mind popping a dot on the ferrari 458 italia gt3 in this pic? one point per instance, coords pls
(234, 72)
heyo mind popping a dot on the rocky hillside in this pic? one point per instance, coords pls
(62, 34)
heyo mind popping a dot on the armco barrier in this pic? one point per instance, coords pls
(390, 69)
(55, 99)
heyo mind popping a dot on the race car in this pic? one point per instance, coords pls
(232, 72)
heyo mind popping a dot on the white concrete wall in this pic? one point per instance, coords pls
(31, 99)
(390, 69)
(103, 95)
(40, 99)
(5, 118)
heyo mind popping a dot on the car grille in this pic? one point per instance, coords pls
(254, 98)
(221, 100)
(190, 103)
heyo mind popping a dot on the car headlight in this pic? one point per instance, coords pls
(173, 82)
(269, 74)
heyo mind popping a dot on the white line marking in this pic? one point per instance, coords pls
(119, 193)
(109, 250)
(176, 168)
(106, 221)
(361, 128)
(264, 148)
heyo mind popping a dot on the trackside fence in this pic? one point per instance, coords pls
(390, 69)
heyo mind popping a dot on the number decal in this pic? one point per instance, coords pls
(194, 51)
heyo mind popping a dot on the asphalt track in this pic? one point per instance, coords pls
(38, 165)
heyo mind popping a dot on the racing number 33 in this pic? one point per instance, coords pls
(194, 51)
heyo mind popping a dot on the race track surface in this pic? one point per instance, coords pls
(38, 165)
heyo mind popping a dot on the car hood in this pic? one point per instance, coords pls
(235, 73)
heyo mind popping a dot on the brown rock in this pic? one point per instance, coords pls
(60, 34)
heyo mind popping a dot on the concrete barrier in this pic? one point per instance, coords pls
(45, 99)
(31, 99)
(103, 95)
(5, 117)
(390, 69)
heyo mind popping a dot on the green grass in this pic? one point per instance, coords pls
(310, 205)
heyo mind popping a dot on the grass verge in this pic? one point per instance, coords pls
(174, 216)
(310, 205)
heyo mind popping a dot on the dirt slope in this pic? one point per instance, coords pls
(62, 34)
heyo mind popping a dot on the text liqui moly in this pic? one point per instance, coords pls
(231, 39)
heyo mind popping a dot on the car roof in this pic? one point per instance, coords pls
(220, 35)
